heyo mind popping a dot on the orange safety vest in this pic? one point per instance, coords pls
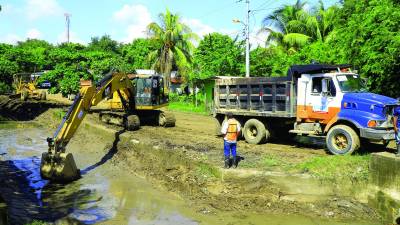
(232, 132)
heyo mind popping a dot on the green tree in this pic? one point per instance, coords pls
(136, 53)
(217, 54)
(368, 36)
(287, 27)
(104, 43)
(293, 27)
(31, 55)
(174, 46)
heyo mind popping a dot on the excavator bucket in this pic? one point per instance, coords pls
(59, 167)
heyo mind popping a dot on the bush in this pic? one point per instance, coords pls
(4, 88)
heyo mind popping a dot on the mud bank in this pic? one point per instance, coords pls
(212, 189)
(15, 109)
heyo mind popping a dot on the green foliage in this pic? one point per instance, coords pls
(4, 88)
(136, 54)
(37, 222)
(363, 33)
(217, 55)
(333, 167)
(369, 38)
(105, 44)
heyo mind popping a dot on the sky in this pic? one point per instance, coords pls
(126, 20)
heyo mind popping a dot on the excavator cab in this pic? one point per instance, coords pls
(149, 91)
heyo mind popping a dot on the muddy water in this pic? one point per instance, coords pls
(104, 194)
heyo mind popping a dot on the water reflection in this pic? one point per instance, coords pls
(28, 197)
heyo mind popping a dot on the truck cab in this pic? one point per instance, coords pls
(335, 102)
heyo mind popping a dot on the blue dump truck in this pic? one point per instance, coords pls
(318, 100)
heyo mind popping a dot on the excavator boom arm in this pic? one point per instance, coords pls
(56, 164)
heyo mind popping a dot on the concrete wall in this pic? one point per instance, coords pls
(385, 185)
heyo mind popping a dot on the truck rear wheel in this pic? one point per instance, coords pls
(342, 140)
(132, 122)
(254, 131)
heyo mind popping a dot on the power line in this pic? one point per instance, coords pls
(217, 10)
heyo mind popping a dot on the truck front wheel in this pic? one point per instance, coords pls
(342, 139)
(254, 131)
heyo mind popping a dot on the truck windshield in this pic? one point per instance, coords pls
(351, 83)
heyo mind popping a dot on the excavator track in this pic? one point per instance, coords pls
(166, 119)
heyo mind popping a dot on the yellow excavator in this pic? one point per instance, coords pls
(133, 98)
(25, 85)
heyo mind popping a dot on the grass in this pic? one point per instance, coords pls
(37, 222)
(272, 161)
(58, 113)
(187, 107)
(354, 167)
(208, 171)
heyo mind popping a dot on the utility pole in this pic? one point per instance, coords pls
(248, 39)
(247, 33)
(67, 21)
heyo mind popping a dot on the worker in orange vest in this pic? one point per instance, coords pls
(231, 130)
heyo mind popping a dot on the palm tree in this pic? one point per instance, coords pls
(286, 25)
(321, 24)
(174, 41)
(292, 27)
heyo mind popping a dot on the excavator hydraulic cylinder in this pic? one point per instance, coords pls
(59, 167)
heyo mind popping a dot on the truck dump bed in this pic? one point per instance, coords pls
(255, 96)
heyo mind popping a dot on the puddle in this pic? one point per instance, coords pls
(105, 194)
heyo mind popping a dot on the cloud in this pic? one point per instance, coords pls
(42, 8)
(198, 27)
(10, 39)
(258, 39)
(14, 38)
(135, 18)
(73, 37)
(33, 34)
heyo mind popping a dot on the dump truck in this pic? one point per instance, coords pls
(329, 101)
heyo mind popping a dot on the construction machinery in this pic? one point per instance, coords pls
(26, 86)
(134, 98)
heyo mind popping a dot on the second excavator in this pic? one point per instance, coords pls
(133, 98)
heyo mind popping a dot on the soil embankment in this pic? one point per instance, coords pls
(187, 160)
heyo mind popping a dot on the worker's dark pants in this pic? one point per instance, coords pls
(397, 138)
(229, 148)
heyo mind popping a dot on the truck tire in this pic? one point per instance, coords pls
(342, 140)
(132, 122)
(254, 132)
(42, 95)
